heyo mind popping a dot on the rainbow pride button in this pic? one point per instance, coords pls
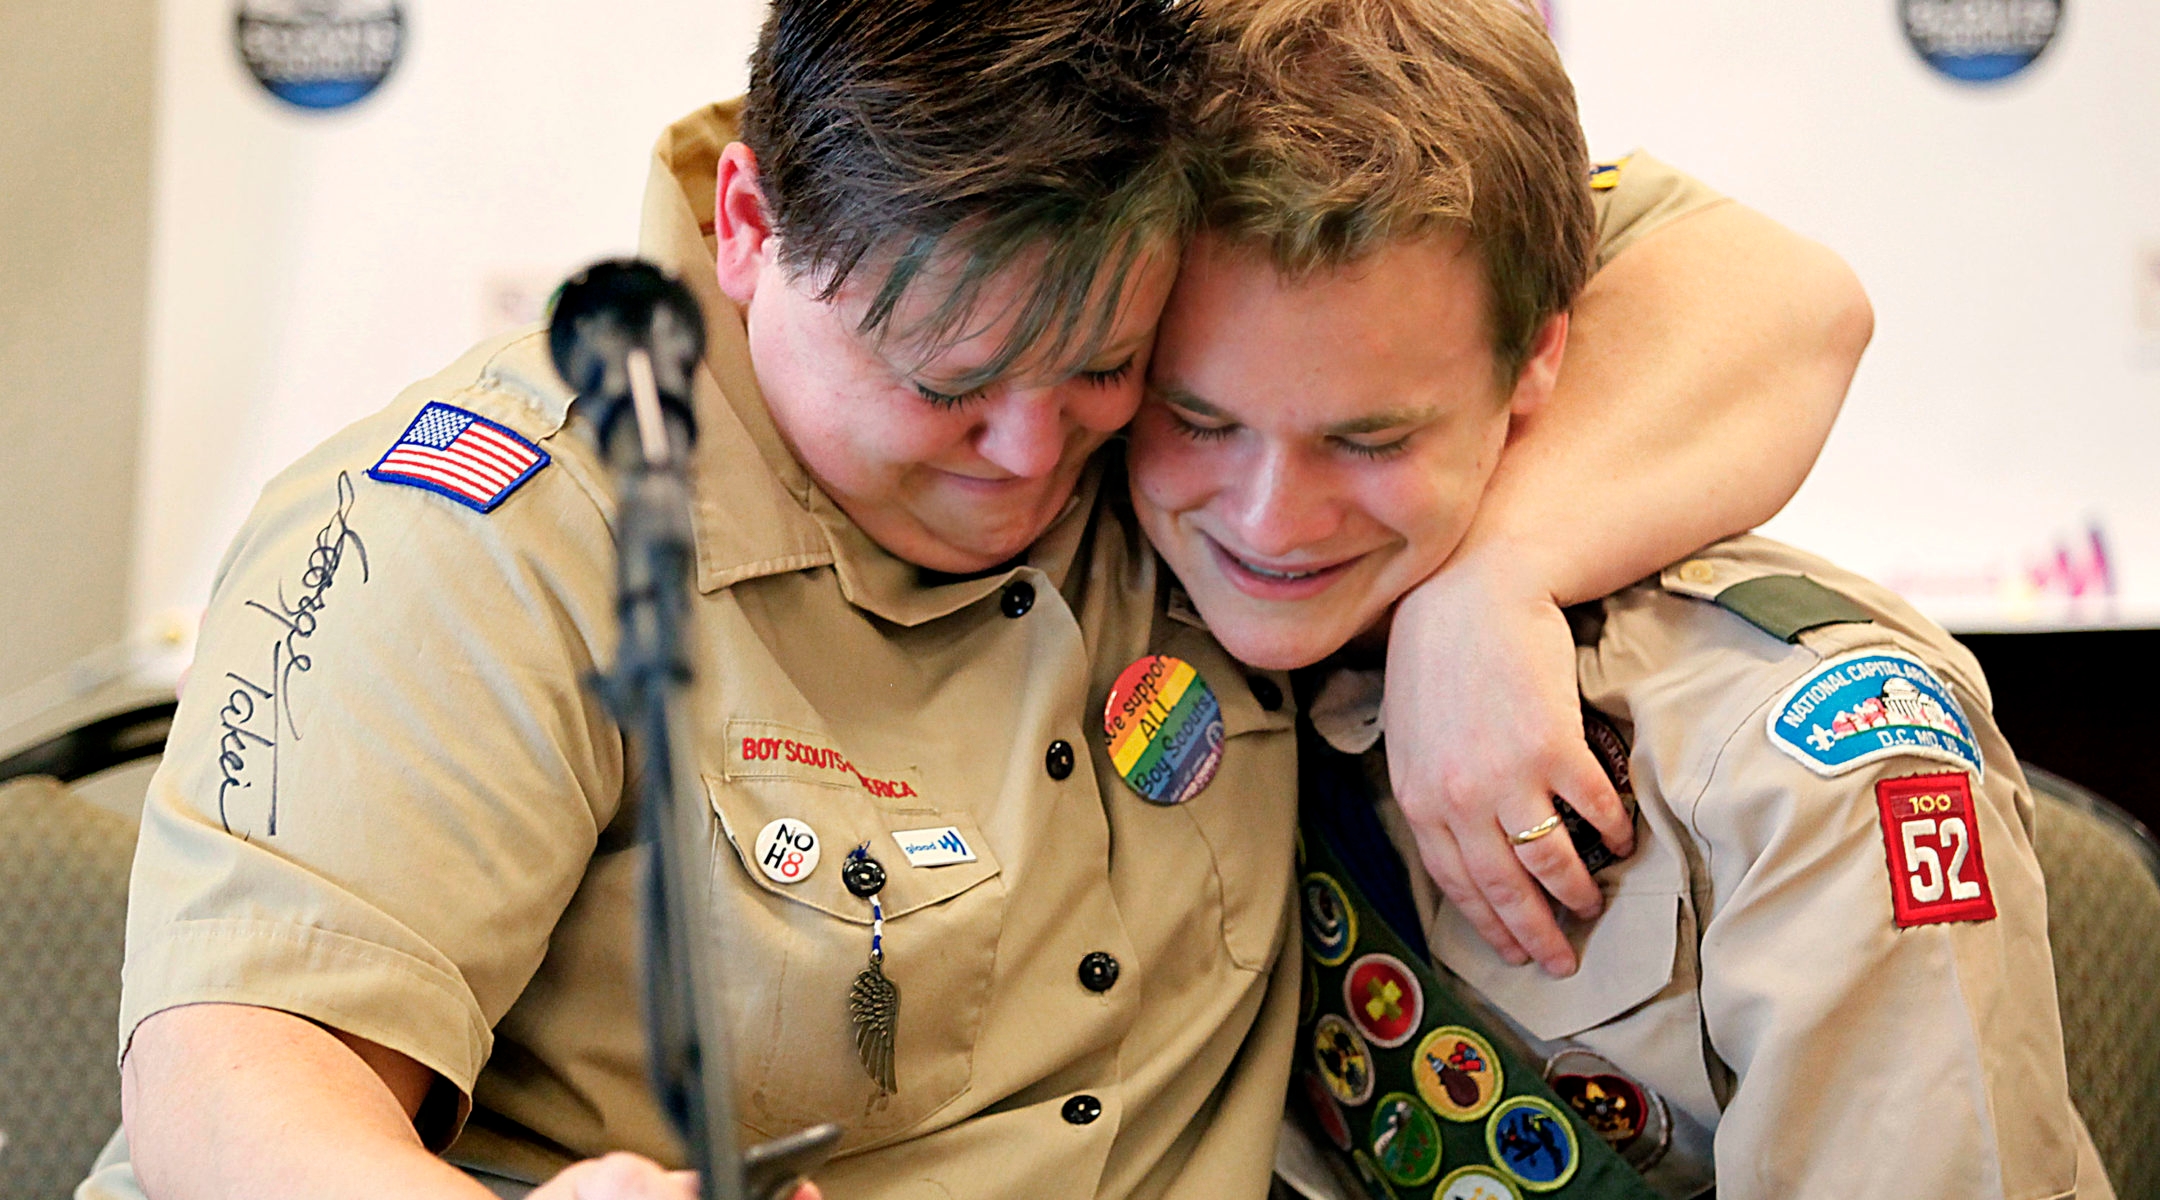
(1165, 729)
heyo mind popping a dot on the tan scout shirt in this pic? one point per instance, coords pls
(1749, 972)
(390, 805)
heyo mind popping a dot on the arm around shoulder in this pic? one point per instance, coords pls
(1705, 366)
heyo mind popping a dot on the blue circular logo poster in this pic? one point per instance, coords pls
(319, 54)
(1980, 41)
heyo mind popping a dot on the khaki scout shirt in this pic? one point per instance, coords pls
(451, 874)
(391, 805)
(1748, 971)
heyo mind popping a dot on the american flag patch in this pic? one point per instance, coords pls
(461, 455)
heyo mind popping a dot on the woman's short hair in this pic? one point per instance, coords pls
(913, 141)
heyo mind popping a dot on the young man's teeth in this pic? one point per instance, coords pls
(1264, 573)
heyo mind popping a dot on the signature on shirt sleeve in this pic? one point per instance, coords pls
(257, 715)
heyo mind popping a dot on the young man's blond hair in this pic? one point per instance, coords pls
(1339, 126)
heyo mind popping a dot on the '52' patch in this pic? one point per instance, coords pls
(1933, 840)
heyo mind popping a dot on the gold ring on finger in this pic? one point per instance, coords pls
(1536, 831)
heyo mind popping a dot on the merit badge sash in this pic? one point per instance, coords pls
(1399, 1078)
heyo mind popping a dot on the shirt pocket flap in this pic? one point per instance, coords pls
(841, 822)
(1626, 958)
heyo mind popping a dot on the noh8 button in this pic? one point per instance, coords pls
(787, 850)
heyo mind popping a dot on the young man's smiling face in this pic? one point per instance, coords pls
(1311, 448)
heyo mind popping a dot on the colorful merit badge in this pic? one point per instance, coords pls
(1933, 843)
(1330, 922)
(1457, 1073)
(1325, 1111)
(1615, 1107)
(1345, 1063)
(786, 850)
(1476, 1183)
(1531, 1140)
(1376, 1184)
(1862, 707)
(1405, 1140)
(1165, 729)
(1383, 999)
(462, 455)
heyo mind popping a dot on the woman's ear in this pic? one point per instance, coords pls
(1542, 369)
(742, 225)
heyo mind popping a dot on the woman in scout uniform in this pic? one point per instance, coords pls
(1005, 841)
(1823, 970)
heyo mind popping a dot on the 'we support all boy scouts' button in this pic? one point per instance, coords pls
(1164, 728)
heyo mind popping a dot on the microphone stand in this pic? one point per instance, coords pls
(608, 323)
(628, 338)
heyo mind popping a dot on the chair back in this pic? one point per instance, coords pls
(2103, 883)
(63, 919)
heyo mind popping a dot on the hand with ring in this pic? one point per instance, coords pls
(1485, 731)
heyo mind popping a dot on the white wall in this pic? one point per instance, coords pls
(307, 266)
(76, 95)
(2010, 238)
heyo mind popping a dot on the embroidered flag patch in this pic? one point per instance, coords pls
(1936, 871)
(1870, 705)
(462, 455)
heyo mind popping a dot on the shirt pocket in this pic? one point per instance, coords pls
(1627, 955)
(1626, 959)
(791, 952)
(1247, 815)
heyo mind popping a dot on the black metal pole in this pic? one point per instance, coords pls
(628, 339)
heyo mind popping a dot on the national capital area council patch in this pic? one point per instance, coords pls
(1869, 705)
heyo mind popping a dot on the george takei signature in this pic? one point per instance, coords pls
(258, 717)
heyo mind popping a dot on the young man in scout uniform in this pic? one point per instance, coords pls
(384, 904)
(1823, 971)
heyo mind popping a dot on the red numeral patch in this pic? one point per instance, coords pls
(1936, 872)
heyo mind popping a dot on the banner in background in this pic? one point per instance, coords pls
(309, 263)
(1993, 462)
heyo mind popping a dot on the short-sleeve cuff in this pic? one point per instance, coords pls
(342, 982)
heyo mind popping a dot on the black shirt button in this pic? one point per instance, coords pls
(1082, 1110)
(1059, 761)
(1266, 691)
(1098, 971)
(1019, 597)
(864, 877)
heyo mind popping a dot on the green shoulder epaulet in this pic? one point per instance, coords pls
(1786, 606)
